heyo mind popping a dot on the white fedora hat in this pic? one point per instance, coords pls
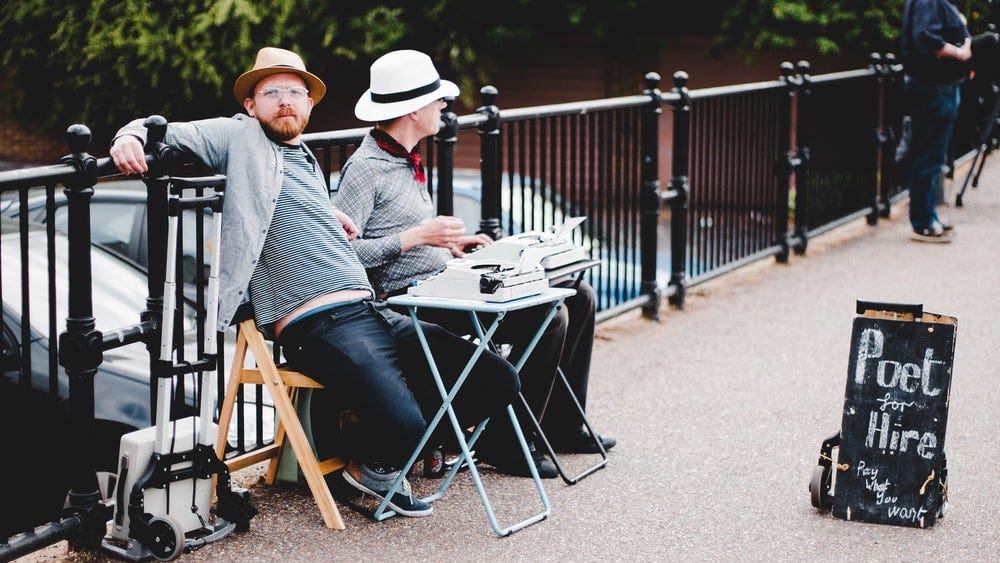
(401, 82)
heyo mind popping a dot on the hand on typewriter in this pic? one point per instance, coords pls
(443, 231)
(470, 243)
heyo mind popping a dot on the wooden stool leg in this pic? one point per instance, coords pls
(232, 389)
(294, 434)
(288, 428)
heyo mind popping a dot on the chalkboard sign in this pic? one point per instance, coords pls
(891, 464)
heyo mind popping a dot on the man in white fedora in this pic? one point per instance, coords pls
(286, 250)
(383, 189)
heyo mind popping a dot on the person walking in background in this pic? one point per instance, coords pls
(936, 46)
(285, 249)
(383, 189)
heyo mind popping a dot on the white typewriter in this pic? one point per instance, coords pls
(557, 248)
(484, 280)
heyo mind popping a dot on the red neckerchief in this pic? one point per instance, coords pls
(392, 146)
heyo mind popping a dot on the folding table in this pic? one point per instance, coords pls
(554, 297)
(557, 276)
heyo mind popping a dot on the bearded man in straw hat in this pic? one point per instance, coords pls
(383, 189)
(286, 251)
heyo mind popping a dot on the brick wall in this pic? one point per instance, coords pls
(25, 143)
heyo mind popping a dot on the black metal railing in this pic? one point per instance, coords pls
(837, 118)
(556, 162)
(738, 139)
(890, 111)
(754, 171)
(65, 293)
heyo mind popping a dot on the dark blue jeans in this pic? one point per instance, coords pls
(933, 108)
(371, 362)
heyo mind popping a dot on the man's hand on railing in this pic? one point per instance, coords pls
(128, 155)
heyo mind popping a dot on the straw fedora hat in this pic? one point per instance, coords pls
(272, 60)
(401, 82)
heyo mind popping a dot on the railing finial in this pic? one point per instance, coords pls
(489, 95)
(78, 138)
(652, 80)
(680, 79)
(787, 69)
(156, 127)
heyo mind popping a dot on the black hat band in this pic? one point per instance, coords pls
(407, 95)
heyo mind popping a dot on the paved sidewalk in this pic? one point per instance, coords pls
(719, 410)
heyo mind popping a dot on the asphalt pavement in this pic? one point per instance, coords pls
(719, 410)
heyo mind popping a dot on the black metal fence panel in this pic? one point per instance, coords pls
(579, 164)
(735, 143)
(892, 170)
(841, 119)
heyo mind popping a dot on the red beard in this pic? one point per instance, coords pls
(284, 126)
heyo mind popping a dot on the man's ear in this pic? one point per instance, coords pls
(249, 106)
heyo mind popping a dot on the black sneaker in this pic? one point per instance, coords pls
(934, 233)
(376, 481)
(579, 441)
(513, 463)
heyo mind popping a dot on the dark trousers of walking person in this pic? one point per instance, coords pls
(934, 108)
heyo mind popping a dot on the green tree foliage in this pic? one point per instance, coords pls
(832, 28)
(102, 62)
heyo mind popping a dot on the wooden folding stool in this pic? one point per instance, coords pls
(282, 384)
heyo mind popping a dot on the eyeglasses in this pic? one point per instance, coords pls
(295, 93)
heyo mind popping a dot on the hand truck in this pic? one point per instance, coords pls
(165, 472)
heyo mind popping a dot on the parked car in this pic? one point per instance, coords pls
(117, 221)
(617, 279)
(121, 385)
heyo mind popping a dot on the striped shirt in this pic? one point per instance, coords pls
(306, 252)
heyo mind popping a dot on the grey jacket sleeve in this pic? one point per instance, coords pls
(208, 139)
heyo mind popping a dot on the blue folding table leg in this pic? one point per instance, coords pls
(383, 512)
(531, 415)
(603, 462)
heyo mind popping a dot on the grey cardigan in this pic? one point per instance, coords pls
(237, 147)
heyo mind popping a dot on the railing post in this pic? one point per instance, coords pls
(784, 165)
(888, 73)
(445, 140)
(680, 189)
(894, 116)
(489, 163)
(80, 351)
(802, 187)
(649, 197)
(161, 159)
(884, 139)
